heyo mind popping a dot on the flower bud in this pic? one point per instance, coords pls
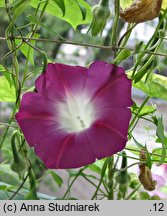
(123, 176)
(161, 33)
(101, 13)
(19, 167)
(141, 11)
(18, 164)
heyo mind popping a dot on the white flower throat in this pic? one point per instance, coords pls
(76, 113)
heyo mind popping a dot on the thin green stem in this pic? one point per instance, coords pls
(19, 188)
(149, 61)
(150, 42)
(136, 115)
(123, 40)
(26, 69)
(104, 168)
(111, 173)
(71, 184)
(40, 18)
(87, 179)
(133, 192)
(6, 131)
(47, 40)
(115, 25)
(134, 164)
(134, 158)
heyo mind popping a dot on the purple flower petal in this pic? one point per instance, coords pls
(164, 167)
(78, 114)
(105, 140)
(160, 181)
(60, 79)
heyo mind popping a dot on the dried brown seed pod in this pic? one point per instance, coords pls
(141, 11)
(146, 179)
(145, 175)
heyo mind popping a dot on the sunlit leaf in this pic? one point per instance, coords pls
(124, 54)
(156, 86)
(3, 187)
(146, 110)
(124, 4)
(83, 11)
(158, 151)
(2, 3)
(95, 168)
(77, 12)
(7, 92)
(6, 74)
(61, 5)
(164, 4)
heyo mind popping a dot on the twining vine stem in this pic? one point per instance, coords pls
(61, 41)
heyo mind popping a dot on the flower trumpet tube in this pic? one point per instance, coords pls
(141, 11)
(77, 114)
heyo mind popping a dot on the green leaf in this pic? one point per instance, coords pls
(158, 151)
(8, 176)
(95, 168)
(156, 86)
(164, 4)
(27, 50)
(73, 12)
(7, 92)
(160, 134)
(56, 178)
(160, 131)
(83, 11)
(19, 7)
(2, 3)
(146, 110)
(124, 4)
(24, 192)
(3, 187)
(6, 74)
(61, 5)
(144, 196)
(146, 72)
(123, 55)
(138, 47)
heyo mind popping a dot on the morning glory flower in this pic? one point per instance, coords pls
(77, 114)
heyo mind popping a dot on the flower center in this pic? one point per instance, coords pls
(76, 113)
(81, 121)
